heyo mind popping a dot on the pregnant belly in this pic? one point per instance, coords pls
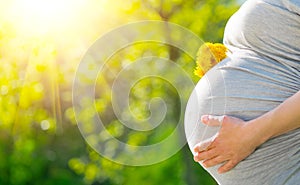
(245, 88)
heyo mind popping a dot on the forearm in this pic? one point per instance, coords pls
(284, 118)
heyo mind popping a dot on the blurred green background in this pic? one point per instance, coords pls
(41, 44)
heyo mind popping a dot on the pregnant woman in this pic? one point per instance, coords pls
(258, 87)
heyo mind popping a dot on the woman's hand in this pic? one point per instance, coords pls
(235, 141)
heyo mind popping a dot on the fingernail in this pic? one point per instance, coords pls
(220, 171)
(205, 118)
(195, 149)
(195, 159)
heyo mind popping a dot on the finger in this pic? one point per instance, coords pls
(205, 155)
(227, 166)
(214, 161)
(204, 145)
(211, 120)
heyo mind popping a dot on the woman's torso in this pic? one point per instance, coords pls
(262, 71)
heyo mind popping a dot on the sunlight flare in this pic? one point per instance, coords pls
(43, 16)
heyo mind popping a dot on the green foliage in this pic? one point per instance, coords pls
(39, 139)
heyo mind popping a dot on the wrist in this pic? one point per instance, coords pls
(259, 131)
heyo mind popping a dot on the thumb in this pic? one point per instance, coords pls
(211, 120)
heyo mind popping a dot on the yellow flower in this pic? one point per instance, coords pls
(208, 55)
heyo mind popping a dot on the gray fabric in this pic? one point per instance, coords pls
(262, 71)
